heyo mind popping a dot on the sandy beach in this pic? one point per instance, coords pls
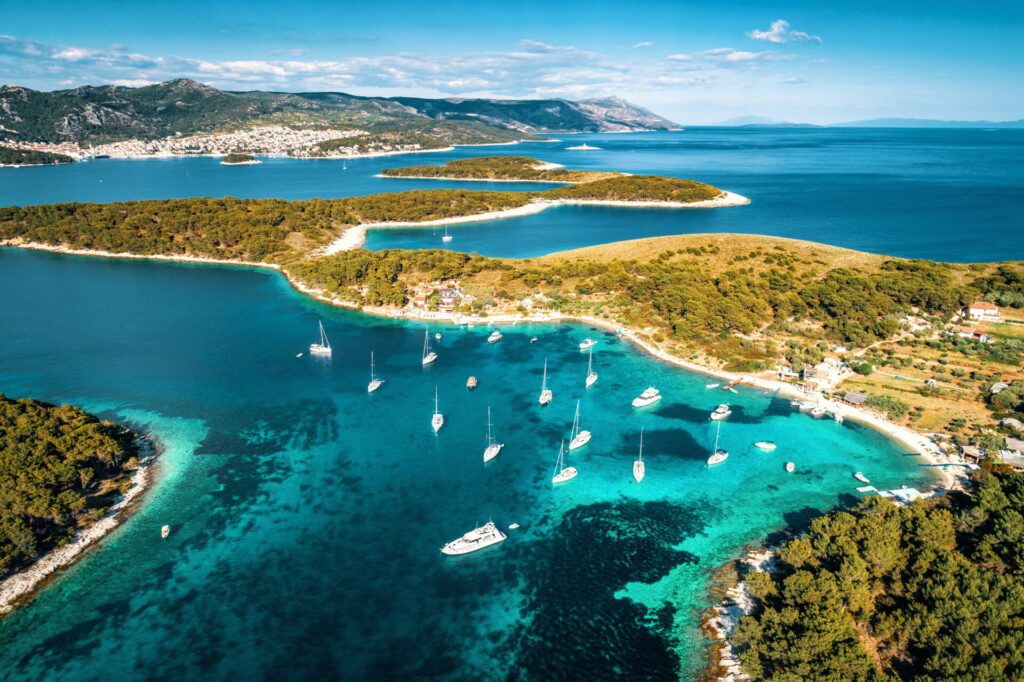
(20, 585)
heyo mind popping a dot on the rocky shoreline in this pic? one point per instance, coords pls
(19, 587)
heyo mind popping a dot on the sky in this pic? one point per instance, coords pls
(815, 61)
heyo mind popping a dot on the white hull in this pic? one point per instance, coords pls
(429, 358)
(790, 467)
(639, 470)
(494, 337)
(711, 385)
(474, 540)
(818, 412)
(446, 238)
(591, 379)
(648, 397)
(587, 344)
(545, 397)
(564, 475)
(492, 451)
(718, 457)
(861, 477)
(165, 531)
(765, 445)
(317, 349)
(721, 412)
(581, 439)
(436, 422)
(374, 385)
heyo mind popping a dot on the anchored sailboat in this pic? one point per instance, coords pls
(428, 355)
(447, 237)
(545, 393)
(719, 455)
(578, 437)
(437, 421)
(638, 463)
(562, 472)
(493, 448)
(322, 348)
(591, 374)
(375, 382)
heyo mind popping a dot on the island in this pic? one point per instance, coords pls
(238, 159)
(18, 157)
(65, 475)
(498, 169)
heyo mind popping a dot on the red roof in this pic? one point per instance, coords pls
(984, 305)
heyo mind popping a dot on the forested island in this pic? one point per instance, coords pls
(928, 591)
(11, 156)
(238, 159)
(60, 469)
(506, 168)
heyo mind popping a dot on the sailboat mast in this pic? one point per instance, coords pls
(544, 381)
(435, 400)
(717, 432)
(641, 443)
(490, 438)
(373, 372)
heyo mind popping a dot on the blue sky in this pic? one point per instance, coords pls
(692, 62)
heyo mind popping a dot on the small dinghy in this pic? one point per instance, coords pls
(765, 445)
(471, 383)
(711, 385)
(513, 526)
(790, 467)
(165, 531)
(861, 477)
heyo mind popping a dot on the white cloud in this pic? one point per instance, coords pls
(644, 43)
(781, 33)
(726, 55)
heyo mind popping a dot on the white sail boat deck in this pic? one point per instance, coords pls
(545, 393)
(562, 472)
(323, 348)
(429, 356)
(493, 449)
(578, 437)
(437, 421)
(718, 455)
(375, 381)
(639, 470)
(591, 374)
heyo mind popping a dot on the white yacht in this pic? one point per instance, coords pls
(721, 412)
(712, 385)
(494, 337)
(790, 467)
(545, 393)
(165, 531)
(375, 382)
(437, 336)
(478, 538)
(492, 449)
(591, 374)
(650, 396)
(447, 237)
(587, 344)
(429, 356)
(765, 445)
(583, 148)
(437, 421)
(324, 347)
(638, 464)
(562, 472)
(577, 437)
(718, 455)
(861, 477)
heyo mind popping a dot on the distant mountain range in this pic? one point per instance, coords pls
(926, 123)
(758, 121)
(109, 113)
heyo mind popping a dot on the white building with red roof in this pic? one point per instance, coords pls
(983, 310)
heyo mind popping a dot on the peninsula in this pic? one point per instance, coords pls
(14, 157)
(66, 476)
(498, 169)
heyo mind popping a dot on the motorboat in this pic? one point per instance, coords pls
(650, 396)
(766, 445)
(494, 337)
(721, 412)
(587, 344)
(476, 539)
(861, 477)
(165, 531)
(471, 383)
(790, 467)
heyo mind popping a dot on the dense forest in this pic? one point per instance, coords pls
(498, 168)
(881, 592)
(9, 156)
(59, 467)
(638, 188)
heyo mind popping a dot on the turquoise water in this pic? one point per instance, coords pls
(942, 194)
(307, 515)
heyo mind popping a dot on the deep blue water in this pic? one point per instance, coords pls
(307, 515)
(942, 194)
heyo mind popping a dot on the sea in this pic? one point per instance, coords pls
(307, 515)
